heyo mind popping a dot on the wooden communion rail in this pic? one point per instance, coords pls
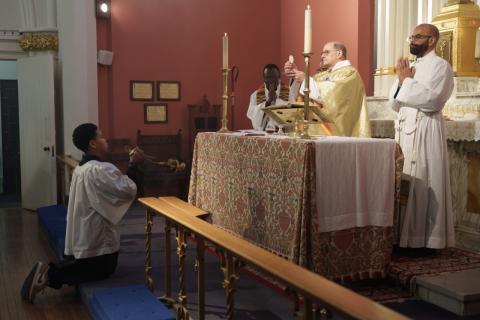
(317, 292)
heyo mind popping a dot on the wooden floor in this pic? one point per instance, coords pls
(22, 243)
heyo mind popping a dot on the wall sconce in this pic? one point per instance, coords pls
(102, 9)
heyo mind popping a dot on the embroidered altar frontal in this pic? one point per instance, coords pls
(263, 189)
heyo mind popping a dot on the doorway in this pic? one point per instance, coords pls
(10, 186)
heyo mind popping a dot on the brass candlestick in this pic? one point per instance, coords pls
(224, 128)
(306, 95)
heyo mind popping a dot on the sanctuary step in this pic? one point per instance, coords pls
(458, 292)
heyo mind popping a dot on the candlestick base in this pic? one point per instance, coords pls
(301, 129)
(297, 132)
(305, 134)
(224, 130)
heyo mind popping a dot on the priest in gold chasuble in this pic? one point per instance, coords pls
(339, 89)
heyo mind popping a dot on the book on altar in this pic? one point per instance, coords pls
(288, 114)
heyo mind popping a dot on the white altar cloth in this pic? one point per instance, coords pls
(355, 182)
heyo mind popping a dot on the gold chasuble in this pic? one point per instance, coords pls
(343, 97)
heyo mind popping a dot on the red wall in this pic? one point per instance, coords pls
(348, 21)
(182, 41)
(365, 32)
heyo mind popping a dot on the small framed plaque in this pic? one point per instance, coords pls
(168, 90)
(156, 113)
(141, 90)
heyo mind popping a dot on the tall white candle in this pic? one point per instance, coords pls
(307, 47)
(225, 51)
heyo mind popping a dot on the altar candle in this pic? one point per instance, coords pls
(225, 51)
(307, 48)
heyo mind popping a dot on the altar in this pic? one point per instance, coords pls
(323, 204)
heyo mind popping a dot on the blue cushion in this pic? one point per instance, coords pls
(96, 311)
(55, 212)
(132, 302)
(60, 247)
(53, 220)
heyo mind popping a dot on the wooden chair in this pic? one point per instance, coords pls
(203, 117)
(160, 180)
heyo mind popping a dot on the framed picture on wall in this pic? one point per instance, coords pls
(168, 90)
(155, 113)
(141, 90)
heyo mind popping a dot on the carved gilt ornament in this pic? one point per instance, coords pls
(38, 42)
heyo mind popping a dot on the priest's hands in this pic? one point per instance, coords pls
(404, 70)
(292, 71)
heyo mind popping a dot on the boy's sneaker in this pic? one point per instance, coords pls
(35, 282)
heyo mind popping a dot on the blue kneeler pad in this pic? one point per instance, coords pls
(132, 302)
(53, 219)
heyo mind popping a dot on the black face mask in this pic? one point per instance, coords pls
(419, 49)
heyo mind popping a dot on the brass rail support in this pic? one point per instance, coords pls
(181, 236)
(167, 298)
(229, 267)
(148, 249)
(308, 309)
(200, 264)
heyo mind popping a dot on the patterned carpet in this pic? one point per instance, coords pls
(404, 270)
(401, 274)
(380, 290)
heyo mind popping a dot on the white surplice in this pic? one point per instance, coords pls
(100, 195)
(427, 220)
(261, 121)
